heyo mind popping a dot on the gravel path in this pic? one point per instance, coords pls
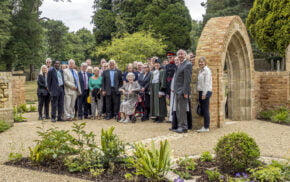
(273, 140)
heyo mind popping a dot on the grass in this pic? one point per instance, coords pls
(31, 90)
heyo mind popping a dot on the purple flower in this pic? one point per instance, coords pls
(178, 180)
(222, 177)
(245, 175)
(238, 175)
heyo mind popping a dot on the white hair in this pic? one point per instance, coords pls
(89, 68)
(130, 74)
(40, 72)
(181, 50)
(84, 64)
(71, 60)
(112, 61)
(48, 59)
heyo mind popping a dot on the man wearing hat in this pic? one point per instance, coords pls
(157, 93)
(169, 73)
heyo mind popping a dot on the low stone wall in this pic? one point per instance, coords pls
(6, 110)
(271, 90)
(18, 90)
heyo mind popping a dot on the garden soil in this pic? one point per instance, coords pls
(273, 140)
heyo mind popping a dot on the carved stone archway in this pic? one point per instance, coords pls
(225, 43)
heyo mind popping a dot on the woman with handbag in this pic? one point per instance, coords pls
(95, 86)
(204, 88)
(42, 93)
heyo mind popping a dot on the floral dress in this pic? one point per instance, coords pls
(130, 100)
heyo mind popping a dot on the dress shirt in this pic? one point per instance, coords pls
(204, 82)
(75, 77)
(112, 75)
(155, 78)
(59, 77)
(85, 78)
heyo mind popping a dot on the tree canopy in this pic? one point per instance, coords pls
(269, 24)
(132, 47)
(5, 24)
(169, 18)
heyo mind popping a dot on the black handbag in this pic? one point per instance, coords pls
(198, 110)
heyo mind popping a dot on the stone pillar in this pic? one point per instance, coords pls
(287, 57)
(6, 109)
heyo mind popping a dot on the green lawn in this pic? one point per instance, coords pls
(31, 89)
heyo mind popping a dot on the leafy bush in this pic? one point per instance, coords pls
(4, 126)
(22, 108)
(285, 167)
(32, 108)
(206, 157)
(54, 145)
(14, 156)
(111, 147)
(17, 115)
(267, 173)
(89, 157)
(214, 176)
(279, 115)
(185, 164)
(236, 152)
(152, 163)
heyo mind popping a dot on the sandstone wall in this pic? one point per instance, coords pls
(18, 90)
(6, 111)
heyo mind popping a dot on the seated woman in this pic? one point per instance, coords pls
(127, 107)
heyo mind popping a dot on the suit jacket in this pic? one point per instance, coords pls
(52, 81)
(118, 81)
(183, 78)
(144, 81)
(82, 83)
(69, 82)
(42, 86)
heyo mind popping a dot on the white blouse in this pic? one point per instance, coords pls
(204, 82)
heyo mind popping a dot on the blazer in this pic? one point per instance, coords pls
(118, 81)
(81, 79)
(183, 78)
(42, 86)
(144, 81)
(69, 82)
(52, 81)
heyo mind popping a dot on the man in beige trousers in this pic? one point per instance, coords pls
(72, 90)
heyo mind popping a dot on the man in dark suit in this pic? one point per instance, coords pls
(112, 81)
(182, 90)
(55, 83)
(82, 99)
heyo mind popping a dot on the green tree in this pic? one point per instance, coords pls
(195, 33)
(26, 44)
(269, 25)
(88, 42)
(56, 34)
(169, 18)
(132, 47)
(5, 24)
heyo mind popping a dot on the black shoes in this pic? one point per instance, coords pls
(180, 130)
(47, 117)
(80, 118)
(40, 118)
(53, 120)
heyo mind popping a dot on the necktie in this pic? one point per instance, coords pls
(75, 79)
(85, 80)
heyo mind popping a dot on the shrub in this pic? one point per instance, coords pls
(152, 163)
(4, 126)
(111, 147)
(280, 117)
(17, 115)
(267, 173)
(267, 114)
(32, 108)
(185, 164)
(14, 156)
(285, 167)
(88, 157)
(54, 145)
(206, 157)
(236, 152)
(22, 108)
(214, 176)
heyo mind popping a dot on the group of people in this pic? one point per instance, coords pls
(96, 92)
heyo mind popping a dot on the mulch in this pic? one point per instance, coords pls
(118, 174)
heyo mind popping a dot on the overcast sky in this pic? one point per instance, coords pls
(78, 13)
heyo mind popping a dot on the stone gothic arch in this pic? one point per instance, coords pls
(225, 44)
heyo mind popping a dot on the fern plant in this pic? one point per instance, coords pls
(152, 163)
